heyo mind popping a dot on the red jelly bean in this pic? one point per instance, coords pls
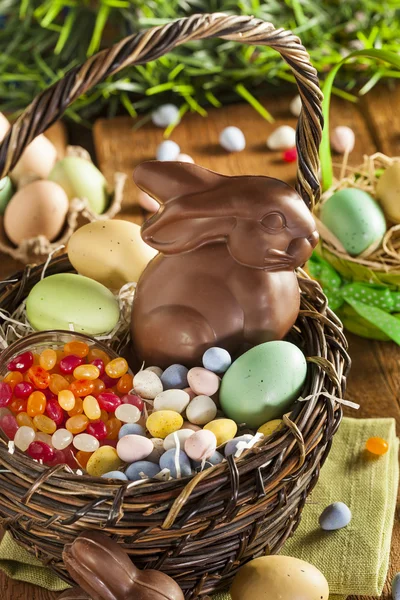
(23, 390)
(109, 381)
(69, 457)
(55, 412)
(59, 458)
(49, 394)
(97, 362)
(109, 442)
(41, 451)
(109, 401)
(21, 363)
(290, 155)
(18, 405)
(134, 400)
(98, 429)
(69, 363)
(9, 425)
(39, 377)
(5, 394)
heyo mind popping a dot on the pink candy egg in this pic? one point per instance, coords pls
(147, 202)
(201, 445)
(131, 448)
(203, 382)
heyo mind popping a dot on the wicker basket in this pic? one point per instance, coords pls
(198, 530)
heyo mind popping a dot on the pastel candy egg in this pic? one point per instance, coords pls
(176, 400)
(223, 429)
(185, 158)
(65, 299)
(6, 192)
(168, 150)
(342, 139)
(157, 370)
(102, 461)
(163, 422)
(131, 448)
(201, 445)
(282, 138)
(335, 516)
(396, 587)
(178, 436)
(37, 159)
(203, 382)
(142, 469)
(158, 450)
(165, 115)
(232, 139)
(147, 384)
(147, 202)
(271, 426)
(213, 460)
(217, 360)
(131, 429)
(115, 475)
(295, 106)
(201, 410)
(175, 377)
(354, 218)
(232, 445)
(177, 463)
(272, 375)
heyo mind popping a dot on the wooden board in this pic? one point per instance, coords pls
(375, 378)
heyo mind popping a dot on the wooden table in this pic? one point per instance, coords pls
(374, 381)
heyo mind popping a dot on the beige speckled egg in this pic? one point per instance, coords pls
(283, 577)
(37, 159)
(147, 385)
(111, 252)
(388, 192)
(39, 208)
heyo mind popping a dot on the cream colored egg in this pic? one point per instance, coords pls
(388, 192)
(4, 126)
(37, 160)
(39, 208)
(111, 252)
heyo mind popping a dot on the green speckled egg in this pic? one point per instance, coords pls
(63, 299)
(354, 218)
(262, 384)
(6, 192)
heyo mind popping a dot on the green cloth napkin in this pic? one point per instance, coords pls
(355, 559)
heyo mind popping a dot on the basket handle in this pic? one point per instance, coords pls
(150, 44)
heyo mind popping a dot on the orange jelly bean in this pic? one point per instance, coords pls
(77, 349)
(60, 355)
(82, 387)
(77, 424)
(36, 404)
(117, 367)
(377, 446)
(113, 426)
(44, 424)
(18, 405)
(86, 372)
(78, 408)
(66, 399)
(58, 383)
(24, 420)
(125, 384)
(48, 359)
(83, 458)
(36, 359)
(97, 353)
(99, 386)
(104, 416)
(39, 377)
(13, 378)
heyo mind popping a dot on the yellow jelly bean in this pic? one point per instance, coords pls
(91, 408)
(223, 429)
(23, 419)
(77, 424)
(163, 422)
(58, 383)
(116, 368)
(44, 424)
(87, 372)
(270, 426)
(104, 460)
(66, 399)
(48, 359)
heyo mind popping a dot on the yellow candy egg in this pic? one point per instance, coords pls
(270, 426)
(102, 461)
(163, 422)
(223, 429)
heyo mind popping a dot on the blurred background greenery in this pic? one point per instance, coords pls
(41, 40)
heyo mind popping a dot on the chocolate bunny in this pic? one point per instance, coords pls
(224, 275)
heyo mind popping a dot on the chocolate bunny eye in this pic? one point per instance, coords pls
(274, 222)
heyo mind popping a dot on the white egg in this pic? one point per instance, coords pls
(295, 106)
(147, 384)
(282, 138)
(185, 158)
(38, 159)
(165, 115)
(168, 150)
(232, 139)
(4, 126)
(181, 434)
(342, 139)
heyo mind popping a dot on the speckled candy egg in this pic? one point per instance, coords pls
(217, 360)
(132, 448)
(163, 422)
(142, 469)
(223, 429)
(147, 384)
(177, 463)
(175, 376)
(203, 382)
(354, 218)
(181, 436)
(201, 410)
(263, 383)
(270, 427)
(201, 445)
(176, 400)
(102, 461)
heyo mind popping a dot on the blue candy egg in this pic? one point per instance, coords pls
(168, 150)
(149, 469)
(167, 461)
(175, 378)
(131, 429)
(396, 587)
(335, 516)
(232, 445)
(232, 139)
(165, 115)
(217, 360)
(215, 459)
(115, 475)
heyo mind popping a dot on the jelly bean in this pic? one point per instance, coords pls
(98, 387)
(113, 426)
(40, 451)
(5, 394)
(36, 404)
(147, 384)
(91, 408)
(60, 355)
(77, 424)
(377, 446)
(127, 413)
(108, 381)
(61, 439)
(232, 139)
(177, 463)
(39, 377)
(82, 387)
(125, 384)
(55, 412)
(69, 457)
(223, 429)
(108, 442)
(24, 437)
(21, 363)
(104, 460)
(78, 408)
(157, 370)
(104, 416)
(48, 359)
(142, 469)
(117, 367)
(98, 430)
(36, 359)
(201, 445)
(13, 378)
(49, 394)
(178, 436)
(201, 410)
(18, 405)
(77, 348)
(215, 459)
(9, 425)
(203, 382)
(232, 446)
(109, 401)
(83, 458)
(5, 411)
(131, 429)
(59, 458)
(86, 442)
(86, 372)
(58, 383)
(44, 424)
(43, 437)
(335, 516)
(97, 362)
(176, 400)
(217, 360)
(175, 377)
(133, 399)
(66, 399)
(131, 448)
(24, 420)
(98, 353)
(115, 475)
(69, 363)
(270, 427)
(23, 390)
(289, 155)
(162, 423)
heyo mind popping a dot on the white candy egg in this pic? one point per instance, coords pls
(201, 410)
(147, 384)
(168, 150)
(182, 435)
(165, 115)
(295, 106)
(232, 139)
(282, 138)
(185, 158)
(176, 400)
(342, 139)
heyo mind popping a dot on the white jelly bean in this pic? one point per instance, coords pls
(343, 139)
(295, 106)
(24, 437)
(165, 115)
(43, 437)
(172, 400)
(335, 516)
(86, 442)
(201, 410)
(168, 150)
(181, 435)
(282, 138)
(232, 139)
(61, 439)
(147, 384)
(127, 413)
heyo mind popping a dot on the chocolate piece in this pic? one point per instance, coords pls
(74, 594)
(104, 570)
(225, 273)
